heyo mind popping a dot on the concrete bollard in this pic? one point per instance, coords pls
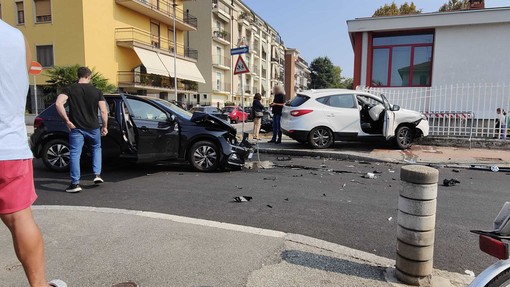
(416, 224)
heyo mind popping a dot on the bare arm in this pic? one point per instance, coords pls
(61, 101)
(104, 117)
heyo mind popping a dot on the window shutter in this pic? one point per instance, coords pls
(42, 8)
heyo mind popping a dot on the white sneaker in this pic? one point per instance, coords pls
(98, 180)
(57, 283)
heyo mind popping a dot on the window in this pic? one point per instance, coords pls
(218, 81)
(219, 57)
(42, 11)
(298, 100)
(45, 55)
(155, 35)
(145, 111)
(402, 61)
(20, 13)
(338, 101)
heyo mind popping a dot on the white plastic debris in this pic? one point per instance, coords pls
(390, 218)
(470, 273)
(494, 168)
(370, 175)
(391, 171)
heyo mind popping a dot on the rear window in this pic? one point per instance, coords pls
(298, 100)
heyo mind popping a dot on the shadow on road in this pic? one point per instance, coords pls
(332, 264)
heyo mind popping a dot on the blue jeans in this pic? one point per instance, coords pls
(277, 130)
(77, 137)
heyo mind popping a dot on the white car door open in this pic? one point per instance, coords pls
(343, 114)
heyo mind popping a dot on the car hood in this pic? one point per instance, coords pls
(204, 119)
(404, 115)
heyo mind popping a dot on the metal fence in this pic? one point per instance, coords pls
(460, 110)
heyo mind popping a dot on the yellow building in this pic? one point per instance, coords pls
(130, 42)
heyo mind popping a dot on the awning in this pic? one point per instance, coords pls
(185, 70)
(151, 62)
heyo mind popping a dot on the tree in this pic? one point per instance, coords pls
(63, 76)
(324, 74)
(454, 5)
(393, 10)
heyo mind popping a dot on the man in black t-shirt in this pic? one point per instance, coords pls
(277, 107)
(84, 100)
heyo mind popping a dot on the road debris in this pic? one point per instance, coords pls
(390, 218)
(283, 158)
(286, 199)
(270, 206)
(273, 178)
(470, 273)
(450, 182)
(297, 175)
(323, 194)
(391, 171)
(369, 175)
(242, 198)
(239, 187)
(456, 170)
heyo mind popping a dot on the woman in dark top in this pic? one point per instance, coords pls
(258, 112)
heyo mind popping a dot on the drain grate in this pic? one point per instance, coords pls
(125, 284)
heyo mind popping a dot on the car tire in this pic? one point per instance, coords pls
(56, 155)
(404, 137)
(204, 156)
(320, 137)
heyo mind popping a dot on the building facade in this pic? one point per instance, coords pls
(227, 24)
(431, 49)
(130, 42)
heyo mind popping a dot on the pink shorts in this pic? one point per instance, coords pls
(17, 191)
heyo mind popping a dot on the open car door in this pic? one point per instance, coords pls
(389, 119)
(155, 131)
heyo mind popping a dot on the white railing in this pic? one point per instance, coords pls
(460, 110)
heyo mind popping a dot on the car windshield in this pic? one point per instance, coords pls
(174, 109)
(298, 100)
(229, 109)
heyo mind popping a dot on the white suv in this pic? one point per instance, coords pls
(320, 117)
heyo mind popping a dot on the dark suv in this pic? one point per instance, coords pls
(142, 129)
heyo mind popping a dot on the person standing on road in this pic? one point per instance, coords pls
(258, 113)
(84, 101)
(17, 191)
(277, 108)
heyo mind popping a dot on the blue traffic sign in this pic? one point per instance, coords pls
(240, 50)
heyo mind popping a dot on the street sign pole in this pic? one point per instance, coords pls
(241, 68)
(35, 96)
(242, 104)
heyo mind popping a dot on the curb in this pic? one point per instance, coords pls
(335, 155)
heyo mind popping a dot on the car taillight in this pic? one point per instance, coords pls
(493, 247)
(298, 113)
(38, 122)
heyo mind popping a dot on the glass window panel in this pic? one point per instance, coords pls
(145, 111)
(402, 40)
(341, 101)
(45, 55)
(380, 62)
(400, 66)
(422, 66)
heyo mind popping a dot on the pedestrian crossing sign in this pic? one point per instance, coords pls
(241, 67)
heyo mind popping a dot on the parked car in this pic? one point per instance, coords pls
(145, 129)
(321, 117)
(211, 111)
(235, 114)
(249, 112)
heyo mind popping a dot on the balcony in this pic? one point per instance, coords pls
(222, 37)
(132, 37)
(155, 83)
(223, 87)
(221, 62)
(222, 10)
(162, 11)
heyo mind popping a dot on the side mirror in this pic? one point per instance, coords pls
(395, 108)
(171, 118)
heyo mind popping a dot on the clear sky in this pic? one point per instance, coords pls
(318, 28)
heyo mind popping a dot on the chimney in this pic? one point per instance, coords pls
(476, 4)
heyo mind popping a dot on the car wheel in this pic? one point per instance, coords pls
(56, 155)
(320, 137)
(204, 156)
(404, 137)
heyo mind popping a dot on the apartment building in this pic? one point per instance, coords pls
(130, 42)
(226, 24)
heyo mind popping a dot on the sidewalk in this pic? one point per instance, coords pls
(89, 246)
(374, 151)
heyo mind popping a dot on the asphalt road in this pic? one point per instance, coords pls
(330, 201)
